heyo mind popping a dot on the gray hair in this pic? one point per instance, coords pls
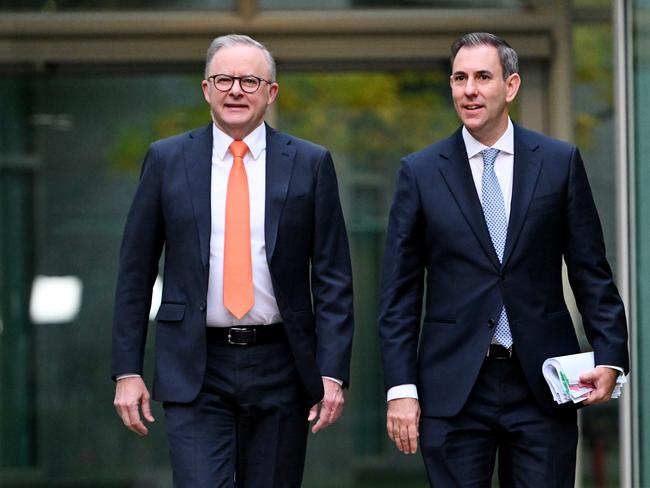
(233, 40)
(507, 55)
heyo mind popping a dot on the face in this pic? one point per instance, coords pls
(481, 95)
(235, 112)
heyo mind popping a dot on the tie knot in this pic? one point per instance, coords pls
(489, 156)
(238, 149)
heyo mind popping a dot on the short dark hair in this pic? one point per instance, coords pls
(507, 55)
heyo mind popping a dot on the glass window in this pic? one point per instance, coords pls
(71, 147)
(640, 168)
(594, 128)
(369, 120)
(64, 194)
(75, 149)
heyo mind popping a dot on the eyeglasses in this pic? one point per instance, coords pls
(249, 83)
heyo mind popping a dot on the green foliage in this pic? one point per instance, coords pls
(132, 138)
(367, 119)
(593, 75)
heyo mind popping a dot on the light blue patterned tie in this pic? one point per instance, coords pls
(495, 217)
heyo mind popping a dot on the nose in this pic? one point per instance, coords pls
(470, 87)
(235, 89)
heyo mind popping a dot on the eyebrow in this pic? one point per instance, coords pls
(479, 72)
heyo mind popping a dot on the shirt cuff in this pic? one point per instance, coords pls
(402, 391)
(127, 375)
(620, 370)
(335, 380)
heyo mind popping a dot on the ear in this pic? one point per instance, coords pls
(274, 88)
(513, 82)
(205, 86)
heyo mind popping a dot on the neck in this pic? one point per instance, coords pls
(491, 137)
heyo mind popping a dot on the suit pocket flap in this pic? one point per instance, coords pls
(171, 312)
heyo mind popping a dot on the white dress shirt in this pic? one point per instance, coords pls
(265, 308)
(503, 165)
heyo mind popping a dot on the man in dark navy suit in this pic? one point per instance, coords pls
(254, 332)
(485, 218)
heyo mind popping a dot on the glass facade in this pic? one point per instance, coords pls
(67, 177)
(368, 120)
(593, 114)
(66, 191)
(641, 168)
(71, 146)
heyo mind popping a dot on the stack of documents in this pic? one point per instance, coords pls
(562, 374)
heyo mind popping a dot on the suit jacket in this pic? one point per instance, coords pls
(306, 249)
(437, 224)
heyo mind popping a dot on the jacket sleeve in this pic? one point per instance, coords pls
(140, 252)
(331, 277)
(590, 276)
(402, 287)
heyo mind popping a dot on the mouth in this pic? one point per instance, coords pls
(472, 107)
(236, 106)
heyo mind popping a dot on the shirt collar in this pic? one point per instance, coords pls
(506, 142)
(256, 141)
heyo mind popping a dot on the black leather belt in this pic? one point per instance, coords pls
(246, 335)
(497, 351)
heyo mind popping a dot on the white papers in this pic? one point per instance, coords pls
(562, 374)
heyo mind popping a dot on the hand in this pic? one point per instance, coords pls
(402, 423)
(604, 381)
(130, 395)
(331, 406)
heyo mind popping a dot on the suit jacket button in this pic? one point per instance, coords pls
(202, 307)
(490, 323)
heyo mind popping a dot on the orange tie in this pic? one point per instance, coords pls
(238, 294)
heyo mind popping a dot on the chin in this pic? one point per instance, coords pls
(473, 125)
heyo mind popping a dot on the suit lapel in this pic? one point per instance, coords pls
(280, 157)
(527, 165)
(197, 152)
(458, 176)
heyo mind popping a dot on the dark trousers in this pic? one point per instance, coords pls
(501, 418)
(248, 426)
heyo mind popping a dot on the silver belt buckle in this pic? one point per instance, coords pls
(241, 330)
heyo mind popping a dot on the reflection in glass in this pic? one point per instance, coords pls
(55, 299)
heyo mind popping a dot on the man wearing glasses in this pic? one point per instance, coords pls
(254, 332)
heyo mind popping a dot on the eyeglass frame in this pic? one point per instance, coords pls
(213, 78)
